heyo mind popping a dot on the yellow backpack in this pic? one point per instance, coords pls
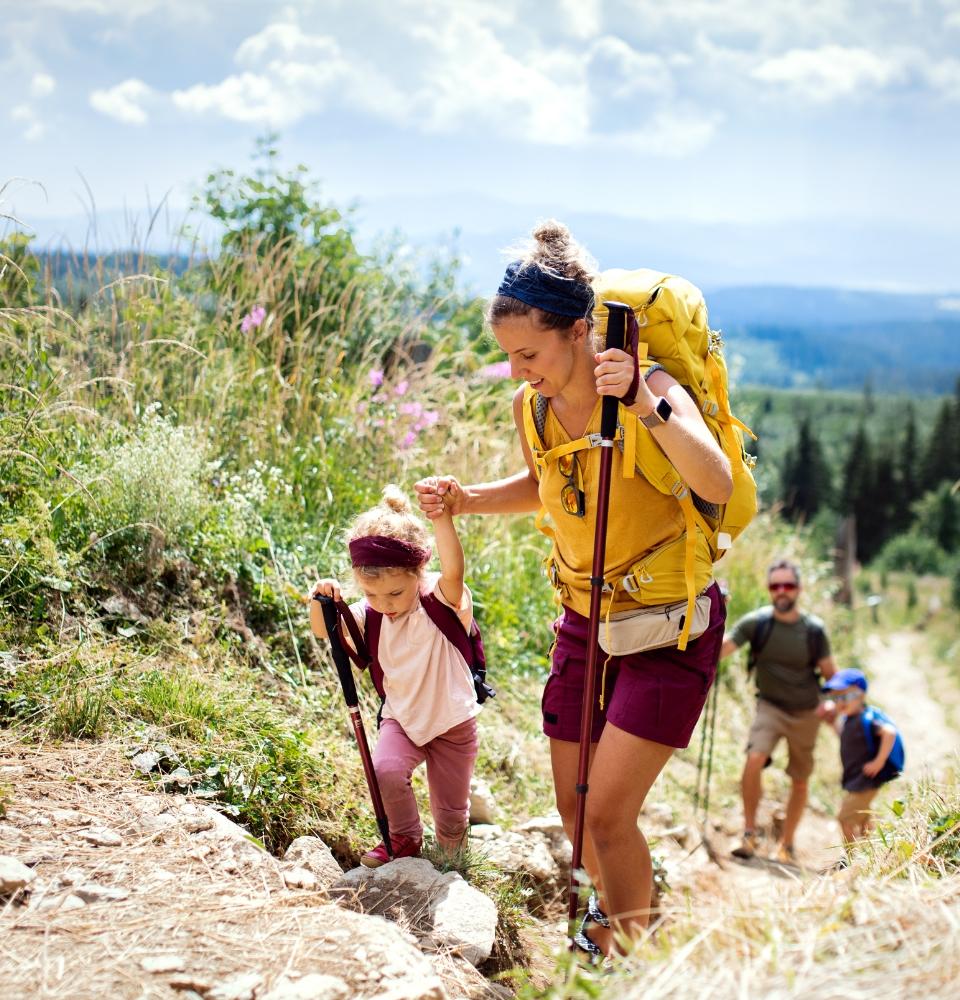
(672, 317)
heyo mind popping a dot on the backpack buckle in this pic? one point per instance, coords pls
(631, 582)
(710, 408)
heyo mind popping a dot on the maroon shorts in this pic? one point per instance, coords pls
(657, 695)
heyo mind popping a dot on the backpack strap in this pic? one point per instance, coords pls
(764, 630)
(372, 621)
(815, 637)
(356, 649)
(449, 623)
(761, 635)
(468, 644)
(867, 718)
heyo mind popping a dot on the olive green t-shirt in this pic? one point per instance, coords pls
(785, 675)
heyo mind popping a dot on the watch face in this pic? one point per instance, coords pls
(664, 409)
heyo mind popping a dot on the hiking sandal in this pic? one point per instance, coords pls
(594, 912)
(584, 944)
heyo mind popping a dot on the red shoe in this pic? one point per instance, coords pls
(403, 847)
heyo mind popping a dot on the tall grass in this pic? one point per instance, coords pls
(180, 451)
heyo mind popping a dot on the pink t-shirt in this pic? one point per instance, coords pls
(427, 683)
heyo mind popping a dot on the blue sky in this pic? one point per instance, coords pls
(790, 141)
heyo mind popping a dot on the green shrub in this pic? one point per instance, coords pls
(912, 553)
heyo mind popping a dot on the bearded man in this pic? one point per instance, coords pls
(789, 654)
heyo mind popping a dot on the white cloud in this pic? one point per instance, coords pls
(124, 102)
(473, 69)
(290, 75)
(627, 71)
(286, 38)
(25, 115)
(945, 77)
(42, 85)
(584, 18)
(469, 77)
(830, 72)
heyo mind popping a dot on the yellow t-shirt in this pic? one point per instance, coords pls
(640, 519)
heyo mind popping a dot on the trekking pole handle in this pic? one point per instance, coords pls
(616, 335)
(340, 659)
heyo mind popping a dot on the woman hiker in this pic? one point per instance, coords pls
(648, 703)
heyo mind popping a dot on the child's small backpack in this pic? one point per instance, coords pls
(893, 767)
(468, 644)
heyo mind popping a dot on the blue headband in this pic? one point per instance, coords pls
(547, 291)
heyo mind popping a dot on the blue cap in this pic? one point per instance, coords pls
(851, 677)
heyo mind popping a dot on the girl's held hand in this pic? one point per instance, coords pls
(439, 495)
(326, 588)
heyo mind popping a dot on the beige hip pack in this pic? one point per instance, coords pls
(652, 628)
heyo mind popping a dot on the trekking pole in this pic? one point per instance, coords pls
(342, 662)
(703, 780)
(701, 796)
(616, 326)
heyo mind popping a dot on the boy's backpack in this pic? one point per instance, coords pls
(761, 635)
(893, 767)
(469, 644)
(671, 317)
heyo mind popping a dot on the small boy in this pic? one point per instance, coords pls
(867, 740)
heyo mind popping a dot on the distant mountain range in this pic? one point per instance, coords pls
(808, 337)
(778, 333)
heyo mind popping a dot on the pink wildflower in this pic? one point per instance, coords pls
(401, 388)
(430, 417)
(376, 377)
(499, 369)
(408, 439)
(413, 409)
(253, 319)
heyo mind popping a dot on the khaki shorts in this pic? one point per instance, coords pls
(799, 729)
(855, 807)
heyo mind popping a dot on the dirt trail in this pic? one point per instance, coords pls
(917, 694)
(911, 689)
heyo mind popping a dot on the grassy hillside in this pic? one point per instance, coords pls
(180, 454)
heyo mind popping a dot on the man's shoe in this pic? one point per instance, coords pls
(786, 854)
(403, 847)
(748, 848)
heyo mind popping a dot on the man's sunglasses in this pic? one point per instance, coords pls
(775, 587)
(572, 496)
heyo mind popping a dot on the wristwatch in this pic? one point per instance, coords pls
(660, 414)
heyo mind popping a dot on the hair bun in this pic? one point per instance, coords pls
(396, 499)
(553, 247)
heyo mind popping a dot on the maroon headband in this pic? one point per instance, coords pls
(381, 550)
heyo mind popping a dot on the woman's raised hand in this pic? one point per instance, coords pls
(439, 495)
(614, 372)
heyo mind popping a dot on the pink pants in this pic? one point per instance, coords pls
(450, 758)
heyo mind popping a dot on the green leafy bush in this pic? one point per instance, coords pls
(913, 553)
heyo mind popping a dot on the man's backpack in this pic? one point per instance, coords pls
(671, 317)
(468, 644)
(761, 635)
(893, 766)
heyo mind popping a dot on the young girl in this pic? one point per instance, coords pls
(430, 708)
